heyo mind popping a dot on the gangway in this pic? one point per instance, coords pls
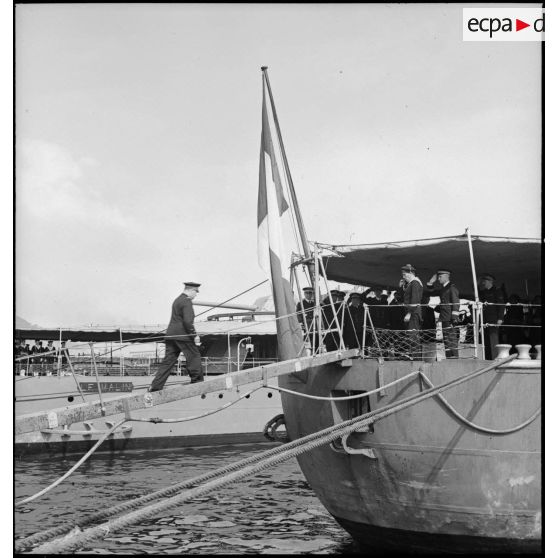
(114, 405)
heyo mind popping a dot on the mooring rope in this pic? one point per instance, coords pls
(157, 420)
(346, 397)
(474, 426)
(154, 420)
(78, 538)
(70, 471)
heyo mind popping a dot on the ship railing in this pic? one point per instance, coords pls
(324, 325)
(413, 344)
(463, 339)
(31, 365)
(223, 365)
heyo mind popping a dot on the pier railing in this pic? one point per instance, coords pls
(35, 365)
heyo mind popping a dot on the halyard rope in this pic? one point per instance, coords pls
(78, 539)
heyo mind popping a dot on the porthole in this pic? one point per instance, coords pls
(248, 396)
(70, 398)
(220, 396)
(270, 394)
(203, 396)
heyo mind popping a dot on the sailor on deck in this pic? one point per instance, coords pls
(181, 337)
(353, 325)
(305, 308)
(440, 285)
(493, 313)
(412, 298)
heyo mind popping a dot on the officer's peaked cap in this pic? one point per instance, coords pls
(191, 285)
(408, 267)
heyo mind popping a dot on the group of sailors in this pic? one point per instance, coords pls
(38, 353)
(409, 309)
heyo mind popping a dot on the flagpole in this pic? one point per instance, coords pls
(301, 229)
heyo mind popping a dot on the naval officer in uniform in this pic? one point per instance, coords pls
(305, 308)
(440, 285)
(181, 337)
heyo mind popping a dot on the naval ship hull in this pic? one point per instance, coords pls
(420, 479)
(241, 422)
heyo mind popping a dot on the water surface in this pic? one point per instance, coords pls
(273, 512)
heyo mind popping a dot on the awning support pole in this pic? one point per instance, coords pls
(477, 303)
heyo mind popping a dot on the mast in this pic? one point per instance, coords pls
(298, 216)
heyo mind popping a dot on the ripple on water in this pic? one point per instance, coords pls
(272, 512)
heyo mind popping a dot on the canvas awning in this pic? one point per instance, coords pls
(216, 328)
(86, 335)
(515, 262)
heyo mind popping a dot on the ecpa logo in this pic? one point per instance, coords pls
(503, 24)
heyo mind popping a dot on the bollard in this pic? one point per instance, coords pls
(503, 351)
(523, 352)
(538, 348)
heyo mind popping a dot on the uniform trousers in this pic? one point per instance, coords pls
(173, 348)
(491, 339)
(451, 339)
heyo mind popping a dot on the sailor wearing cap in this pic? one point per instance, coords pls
(412, 295)
(493, 313)
(440, 285)
(354, 322)
(51, 357)
(305, 308)
(181, 337)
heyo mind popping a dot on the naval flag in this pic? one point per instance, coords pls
(272, 205)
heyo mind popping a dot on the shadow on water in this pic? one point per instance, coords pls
(273, 512)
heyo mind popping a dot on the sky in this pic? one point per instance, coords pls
(138, 131)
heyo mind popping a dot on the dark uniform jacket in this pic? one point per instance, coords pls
(378, 311)
(491, 314)
(395, 314)
(182, 318)
(353, 326)
(412, 296)
(308, 306)
(449, 300)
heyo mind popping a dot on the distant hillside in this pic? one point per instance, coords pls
(20, 323)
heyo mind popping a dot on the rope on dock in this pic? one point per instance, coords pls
(474, 426)
(78, 539)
